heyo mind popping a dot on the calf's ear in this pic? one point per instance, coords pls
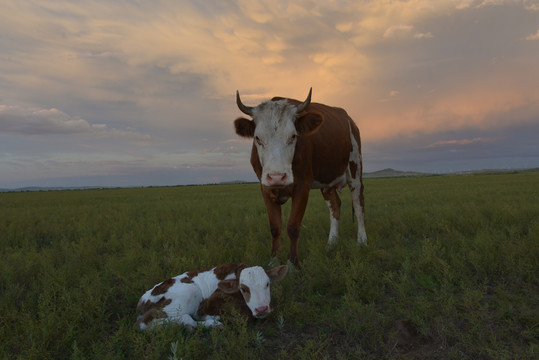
(308, 123)
(245, 127)
(229, 286)
(277, 273)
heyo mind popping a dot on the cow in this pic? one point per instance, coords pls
(299, 146)
(196, 298)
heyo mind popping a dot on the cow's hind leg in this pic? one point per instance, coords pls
(334, 204)
(353, 176)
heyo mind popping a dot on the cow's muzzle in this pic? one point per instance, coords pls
(262, 311)
(277, 179)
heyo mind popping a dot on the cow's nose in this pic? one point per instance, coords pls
(276, 179)
(261, 310)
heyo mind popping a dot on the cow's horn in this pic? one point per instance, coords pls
(244, 109)
(305, 104)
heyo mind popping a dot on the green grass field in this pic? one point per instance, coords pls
(450, 272)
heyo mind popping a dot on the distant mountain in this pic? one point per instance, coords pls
(385, 173)
(495, 171)
(393, 173)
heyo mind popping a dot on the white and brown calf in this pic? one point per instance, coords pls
(196, 297)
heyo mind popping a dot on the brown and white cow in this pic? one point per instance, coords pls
(197, 297)
(299, 146)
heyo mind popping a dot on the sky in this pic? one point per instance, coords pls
(142, 93)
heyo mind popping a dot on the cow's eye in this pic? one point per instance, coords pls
(258, 141)
(292, 139)
(267, 285)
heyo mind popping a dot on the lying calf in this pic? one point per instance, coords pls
(196, 297)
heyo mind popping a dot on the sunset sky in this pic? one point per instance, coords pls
(132, 92)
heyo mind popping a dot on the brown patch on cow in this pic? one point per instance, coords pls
(143, 307)
(330, 194)
(193, 274)
(353, 169)
(222, 271)
(221, 304)
(149, 311)
(163, 287)
(246, 292)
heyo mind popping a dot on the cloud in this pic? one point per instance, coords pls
(398, 30)
(34, 121)
(427, 35)
(164, 73)
(463, 4)
(19, 120)
(534, 36)
(463, 142)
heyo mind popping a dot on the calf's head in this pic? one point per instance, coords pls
(275, 128)
(254, 285)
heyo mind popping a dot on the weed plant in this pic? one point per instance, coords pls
(450, 272)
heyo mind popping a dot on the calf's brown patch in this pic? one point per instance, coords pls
(222, 271)
(151, 310)
(221, 304)
(163, 287)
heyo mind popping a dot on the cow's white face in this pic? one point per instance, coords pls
(254, 285)
(275, 139)
(275, 128)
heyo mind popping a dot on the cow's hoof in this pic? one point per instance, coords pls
(291, 267)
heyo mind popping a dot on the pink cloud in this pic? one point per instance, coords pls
(474, 141)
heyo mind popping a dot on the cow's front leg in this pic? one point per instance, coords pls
(273, 207)
(299, 204)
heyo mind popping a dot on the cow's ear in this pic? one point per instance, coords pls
(277, 273)
(245, 127)
(229, 286)
(307, 123)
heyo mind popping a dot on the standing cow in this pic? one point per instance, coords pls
(299, 146)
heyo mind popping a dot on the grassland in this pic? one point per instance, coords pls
(451, 272)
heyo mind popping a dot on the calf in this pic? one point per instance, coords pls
(196, 297)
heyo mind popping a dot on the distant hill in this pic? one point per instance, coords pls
(495, 171)
(385, 173)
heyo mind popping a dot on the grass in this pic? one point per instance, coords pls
(450, 272)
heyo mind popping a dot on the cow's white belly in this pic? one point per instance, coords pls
(339, 183)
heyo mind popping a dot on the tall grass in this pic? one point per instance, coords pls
(450, 272)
